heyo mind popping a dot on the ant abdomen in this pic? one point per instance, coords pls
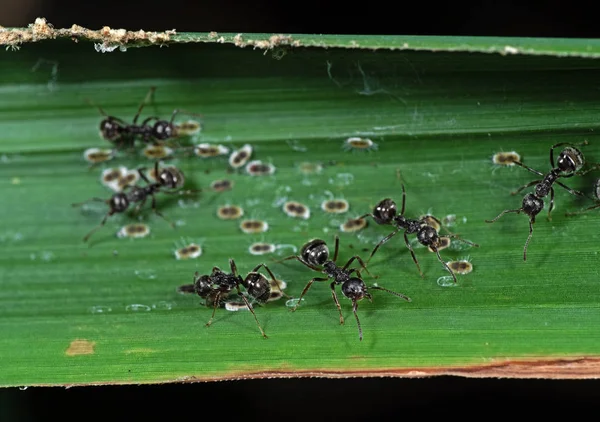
(315, 252)
(570, 160)
(257, 286)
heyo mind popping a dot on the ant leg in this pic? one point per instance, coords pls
(232, 266)
(216, 304)
(360, 261)
(251, 309)
(176, 112)
(337, 302)
(551, 207)
(381, 242)
(354, 309)
(568, 189)
(273, 279)
(312, 267)
(412, 253)
(187, 288)
(159, 213)
(78, 204)
(502, 213)
(337, 248)
(146, 100)
(403, 201)
(444, 264)
(87, 236)
(460, 239)
(306, 289)
(400, 295)
(531, 221)
(584, 210)
(535, 182)
(139, 206)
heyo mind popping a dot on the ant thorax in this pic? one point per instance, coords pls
(257, 286)
(410, 226)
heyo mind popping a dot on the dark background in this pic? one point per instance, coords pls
(309, 399)
(550, 18)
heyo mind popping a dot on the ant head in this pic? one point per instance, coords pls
(315, 252)
(570, 160)
(428, 236)
(597, 189)
(110, 129)
(355, 289)
(171, 178)
(163, 130)
(118, 202)
(385, 211)
(532, 205)
(257, 286)
(202, 285)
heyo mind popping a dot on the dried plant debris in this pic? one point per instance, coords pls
(353, 225)
(221, 185)
(506, 158)
(462, 266)
(190, 251)
(107, 37)
(97, 155)
(136, 230)
(188, 128)
(361, 144)
(254, 226)
(207, 150)
(118, 178)
(296, 210)
(258, 168)
(335, 206)
(261, 248)
(157, 152)
(230, 212)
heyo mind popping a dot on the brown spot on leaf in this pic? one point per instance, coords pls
(80, 347)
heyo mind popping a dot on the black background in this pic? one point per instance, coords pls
(309, 399)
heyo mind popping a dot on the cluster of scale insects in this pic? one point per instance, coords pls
(224, 288)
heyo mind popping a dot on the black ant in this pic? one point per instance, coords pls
(569, 163)
(216, 287)
(385, 213)
(315, 255)
(169, 180)
(596, 197)
(123, 134)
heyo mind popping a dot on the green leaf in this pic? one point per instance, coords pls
(436, 117)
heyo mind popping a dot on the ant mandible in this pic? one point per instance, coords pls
(569, 163)
(216, 287)
(385, 213)
(123, 134)
(315, 255)
(169, 178)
